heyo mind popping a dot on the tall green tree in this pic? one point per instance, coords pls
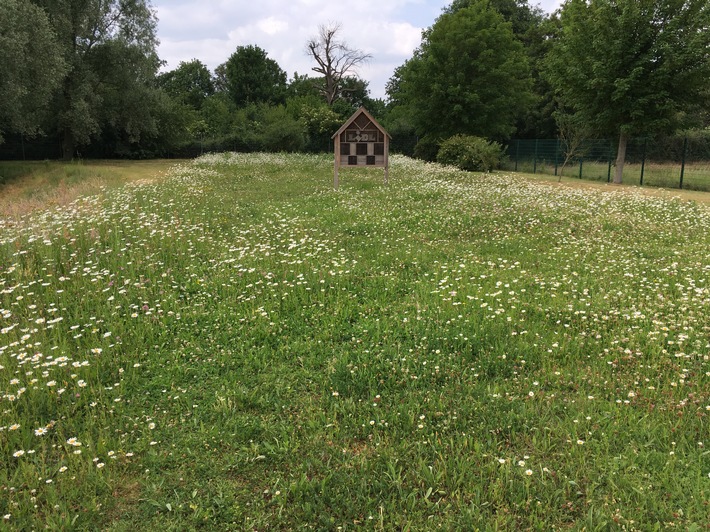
(218, 113)
(302, 85)
(190, 83)
(251, 76)
(470, 76)
(531, 27)
(355, 93)
(109, 47)
(31, 66)
(127, 113)
(632, 67)
(522, 16)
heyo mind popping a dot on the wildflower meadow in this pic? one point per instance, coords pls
(237, 346)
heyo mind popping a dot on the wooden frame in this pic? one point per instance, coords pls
(361, 141)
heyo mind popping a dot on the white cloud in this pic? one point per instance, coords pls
(272, 25)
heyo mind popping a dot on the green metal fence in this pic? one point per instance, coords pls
(678, 162)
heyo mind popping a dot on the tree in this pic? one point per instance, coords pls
(354, 94)
(218, 112)
(532, 28)
(470, 76)
(571, 133)
(251, 77)
(278, 131)
(128, 99)
(190, 83)
(172, 124)
(539, 122)
(522, 16)
(335, 60)
(31, 66)
(632, 66)
(109, 47)
(220, 78)
(302, 85)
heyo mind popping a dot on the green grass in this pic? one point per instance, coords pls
(696, 176)
(238, 346)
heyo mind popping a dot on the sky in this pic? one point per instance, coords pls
(211, 31)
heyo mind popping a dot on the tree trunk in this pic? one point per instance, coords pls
(620, 158)
(68, 146)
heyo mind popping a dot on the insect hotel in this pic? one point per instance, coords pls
(361, 141)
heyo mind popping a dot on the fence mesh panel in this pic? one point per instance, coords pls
(672, 162)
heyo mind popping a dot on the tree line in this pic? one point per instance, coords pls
(86, 72)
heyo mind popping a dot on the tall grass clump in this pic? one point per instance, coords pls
(237, 346)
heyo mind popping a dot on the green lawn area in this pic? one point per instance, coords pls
(236, 346)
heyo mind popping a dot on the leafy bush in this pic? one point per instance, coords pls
(319, 120)
(474, 154)
(277, 131)
(427, 148)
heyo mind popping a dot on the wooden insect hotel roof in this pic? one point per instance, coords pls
(361, 119)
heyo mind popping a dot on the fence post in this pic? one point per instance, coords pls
(535, 158)
(643, 160)
(557, 152)
(682, 163)
(581, 160)
(517, 152)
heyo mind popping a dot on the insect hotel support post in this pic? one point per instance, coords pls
(361, 141)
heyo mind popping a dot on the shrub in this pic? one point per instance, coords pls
(320, 122)
(427, 148)
(262, 127)
(280, 132)
(474, 154)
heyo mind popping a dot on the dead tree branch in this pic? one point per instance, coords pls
(334, 61)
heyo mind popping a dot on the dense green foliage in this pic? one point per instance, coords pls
(239, 347)
(252, 77)
(109, 49)
(427, 148)
(31, 67)
(470, 76)
(630, 67)
(467, 152)
(190, 83)
(534, 29)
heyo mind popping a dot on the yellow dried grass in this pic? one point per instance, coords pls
(26, 187)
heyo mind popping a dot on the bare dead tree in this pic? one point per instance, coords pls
(334, 61)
